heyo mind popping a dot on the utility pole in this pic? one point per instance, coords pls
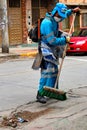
(4, 24)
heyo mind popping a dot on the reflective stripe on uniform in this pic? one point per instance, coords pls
(48, 35)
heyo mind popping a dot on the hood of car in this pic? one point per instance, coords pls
(77, 39)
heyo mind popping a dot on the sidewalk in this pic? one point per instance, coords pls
(70, 114)
(23, 50)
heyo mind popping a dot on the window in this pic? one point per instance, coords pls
(14, 3)
(43, 3)
(76, 22)
(35, 11)
(84, 19)
(35, 3)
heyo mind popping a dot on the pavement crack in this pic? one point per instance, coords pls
(18, 107)
(68, 116)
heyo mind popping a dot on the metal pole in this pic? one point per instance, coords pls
(4, 24)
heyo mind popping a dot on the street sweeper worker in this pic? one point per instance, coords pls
(50, 41)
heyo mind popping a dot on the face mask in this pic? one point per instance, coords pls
(57, 19)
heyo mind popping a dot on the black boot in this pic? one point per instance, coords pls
(41, 99)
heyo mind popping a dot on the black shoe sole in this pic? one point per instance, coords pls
(41, 101)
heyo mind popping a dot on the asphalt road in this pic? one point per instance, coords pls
(19, 83)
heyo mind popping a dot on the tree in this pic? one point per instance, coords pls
(4, 24)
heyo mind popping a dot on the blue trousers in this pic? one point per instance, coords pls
(48, 75)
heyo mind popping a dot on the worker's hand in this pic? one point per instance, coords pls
(67, 39)
(76, 10)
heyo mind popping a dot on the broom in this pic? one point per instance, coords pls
(55, 92)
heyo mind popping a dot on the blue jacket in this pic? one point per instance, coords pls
(50, 40)
(49, 30)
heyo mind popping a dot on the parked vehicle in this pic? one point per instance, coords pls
(78, 41)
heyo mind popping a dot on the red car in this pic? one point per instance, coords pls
(78, 42)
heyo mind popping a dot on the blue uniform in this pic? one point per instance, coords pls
(50, 41)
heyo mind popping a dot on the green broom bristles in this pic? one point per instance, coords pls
(53, 93)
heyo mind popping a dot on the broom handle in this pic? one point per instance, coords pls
(64, 54)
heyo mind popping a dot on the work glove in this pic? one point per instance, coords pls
(67, 39)
(76, 10)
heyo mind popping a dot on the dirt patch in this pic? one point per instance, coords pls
(22, 117)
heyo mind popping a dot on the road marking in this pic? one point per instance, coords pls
(76, 59)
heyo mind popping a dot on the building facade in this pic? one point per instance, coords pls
(80, 20)
(17, 29)
(22, 14)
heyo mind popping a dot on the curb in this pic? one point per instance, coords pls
(29, 54)
(20, 55)
(10, 56)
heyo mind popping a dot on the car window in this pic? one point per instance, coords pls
(76, 33)
(81, 33)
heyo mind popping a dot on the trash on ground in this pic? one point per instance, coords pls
(22, 117)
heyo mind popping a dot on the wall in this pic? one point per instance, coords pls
(82, 18)
(28, 14)
(74, 1)
(24, 26)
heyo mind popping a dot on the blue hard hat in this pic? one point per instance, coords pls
(61, 9)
